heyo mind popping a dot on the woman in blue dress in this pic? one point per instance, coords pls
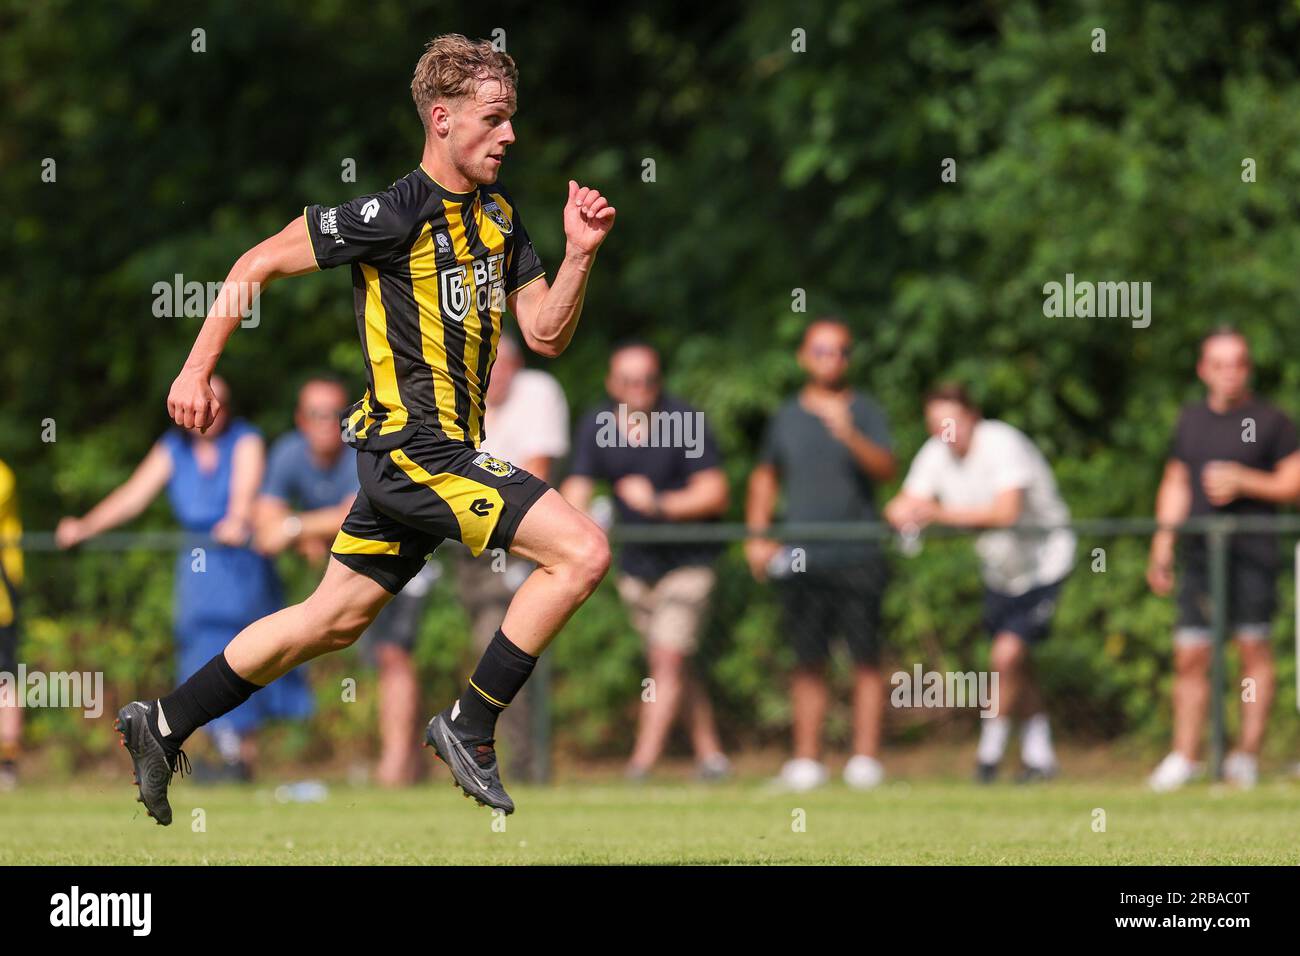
(222, 586)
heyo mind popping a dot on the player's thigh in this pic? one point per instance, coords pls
(373, 542)
(347, 600)
(553, 532)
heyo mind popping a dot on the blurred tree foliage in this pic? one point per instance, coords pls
(775, 170)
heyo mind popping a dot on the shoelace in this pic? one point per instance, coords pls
(180, 764)
(484, 751)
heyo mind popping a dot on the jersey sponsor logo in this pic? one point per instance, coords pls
(444, 244)
(488, 278)
(502, 469)
(489, 283)
(481, 507)
(370, 210)
(453, 294)
(498, 216)
(329, 224)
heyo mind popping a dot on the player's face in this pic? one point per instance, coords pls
(1225, 367)
(481, 131)
(952, 423)
(319, 406)
(824, 355)
(634, 379)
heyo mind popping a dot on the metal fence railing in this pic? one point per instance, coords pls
(1218, 532)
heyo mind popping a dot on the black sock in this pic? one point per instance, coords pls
(214, 689)
(501, 671)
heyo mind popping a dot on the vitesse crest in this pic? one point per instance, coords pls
(495, 213)
(502, 469)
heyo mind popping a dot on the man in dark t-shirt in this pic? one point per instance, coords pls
(660, 459)
(826, 449)
(1232, 454)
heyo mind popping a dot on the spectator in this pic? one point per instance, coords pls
(826, 448)
(311, 481)
(11, 579)
(1232, 454)
(664, 467)
(527, 423)
(211, 480)
(982, 473)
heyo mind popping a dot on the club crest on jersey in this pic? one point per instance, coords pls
(502, 469)
(495, 213)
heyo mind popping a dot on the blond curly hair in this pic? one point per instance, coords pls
(453, 66)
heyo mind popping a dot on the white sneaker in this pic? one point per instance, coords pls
(1242, 769)
(803, 773)
(863, 772)
(1174, 771)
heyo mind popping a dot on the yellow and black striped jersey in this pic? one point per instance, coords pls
(11, 556)
(431, 271)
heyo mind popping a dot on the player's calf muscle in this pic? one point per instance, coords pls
(336, 614)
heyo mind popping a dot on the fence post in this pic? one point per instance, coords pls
(1220, 535)
(540, 719)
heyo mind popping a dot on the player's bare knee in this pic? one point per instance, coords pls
(591, 558)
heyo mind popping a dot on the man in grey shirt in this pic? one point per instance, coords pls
(826, 447)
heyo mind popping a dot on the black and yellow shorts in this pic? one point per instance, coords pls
(414, 497)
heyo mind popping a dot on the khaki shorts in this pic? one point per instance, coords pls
(669, 612)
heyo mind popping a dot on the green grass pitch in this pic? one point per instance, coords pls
(613, 823)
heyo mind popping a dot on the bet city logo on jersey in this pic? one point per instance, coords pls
(488, 282)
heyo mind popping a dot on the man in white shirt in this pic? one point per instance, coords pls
(527, 424)
(980, 473)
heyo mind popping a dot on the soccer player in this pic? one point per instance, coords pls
(1235, 454)
(436, 259)
(976, 472)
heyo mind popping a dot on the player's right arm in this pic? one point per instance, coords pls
(1173, 504)
(190, 403)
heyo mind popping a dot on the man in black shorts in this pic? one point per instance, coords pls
(1232, 454)
(436, 260)
(982, 473)
(828, 446)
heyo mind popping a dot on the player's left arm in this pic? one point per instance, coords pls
(548, 314)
